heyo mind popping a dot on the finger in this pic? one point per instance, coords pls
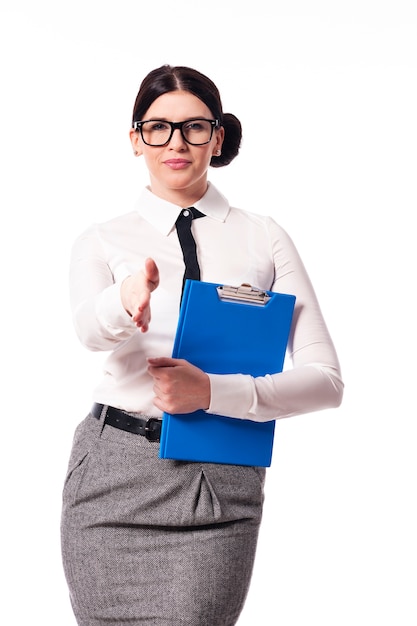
(141, 322)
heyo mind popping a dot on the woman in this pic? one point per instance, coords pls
(148, 540)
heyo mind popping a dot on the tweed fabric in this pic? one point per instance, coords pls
(147, 541)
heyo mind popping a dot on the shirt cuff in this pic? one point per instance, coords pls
(111, 313)
(232, 395)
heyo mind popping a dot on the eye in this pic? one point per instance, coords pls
(158, 125)
(195, 125)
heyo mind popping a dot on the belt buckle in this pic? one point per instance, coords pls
(150, 434)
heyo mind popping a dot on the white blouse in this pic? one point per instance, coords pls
(233, 247)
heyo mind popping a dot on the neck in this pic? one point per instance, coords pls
(181, 197)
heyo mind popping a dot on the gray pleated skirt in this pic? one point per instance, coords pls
(152, 541)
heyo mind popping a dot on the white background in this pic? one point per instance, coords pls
(327, 95)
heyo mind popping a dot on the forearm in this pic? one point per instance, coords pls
(293, 392)
(99, 318)
(101, 322)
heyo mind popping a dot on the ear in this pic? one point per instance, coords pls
(219, 141)
(136, 142)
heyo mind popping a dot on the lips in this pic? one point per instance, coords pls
(177, 164)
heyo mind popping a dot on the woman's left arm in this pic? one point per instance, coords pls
(314, 381)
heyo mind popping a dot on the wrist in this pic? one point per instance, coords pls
(124, 294)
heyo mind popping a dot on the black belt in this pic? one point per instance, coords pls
(149, 427)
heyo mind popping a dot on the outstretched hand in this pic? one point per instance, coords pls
(179, 386)
(135, 293)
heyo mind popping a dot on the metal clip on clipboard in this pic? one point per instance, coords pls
(244, 293)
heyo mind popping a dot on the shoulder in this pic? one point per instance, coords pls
(112, 225)
(257, 219)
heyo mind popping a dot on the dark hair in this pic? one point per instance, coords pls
(169, 78)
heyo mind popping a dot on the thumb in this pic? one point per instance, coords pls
(162, 361)
(151, 273)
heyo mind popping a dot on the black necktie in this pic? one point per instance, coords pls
(189, 252)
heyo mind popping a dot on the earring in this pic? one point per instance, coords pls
(135, 153)
(218, 152)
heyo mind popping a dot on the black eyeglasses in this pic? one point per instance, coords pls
(197, 131)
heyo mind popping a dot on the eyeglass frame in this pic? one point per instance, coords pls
(137, 126)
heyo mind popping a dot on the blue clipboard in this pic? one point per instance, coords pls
(227, 330)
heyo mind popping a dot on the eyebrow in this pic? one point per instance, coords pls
(165, 119)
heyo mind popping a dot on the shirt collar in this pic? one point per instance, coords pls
(162, 214)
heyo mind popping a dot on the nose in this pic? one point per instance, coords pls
(177, 141)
